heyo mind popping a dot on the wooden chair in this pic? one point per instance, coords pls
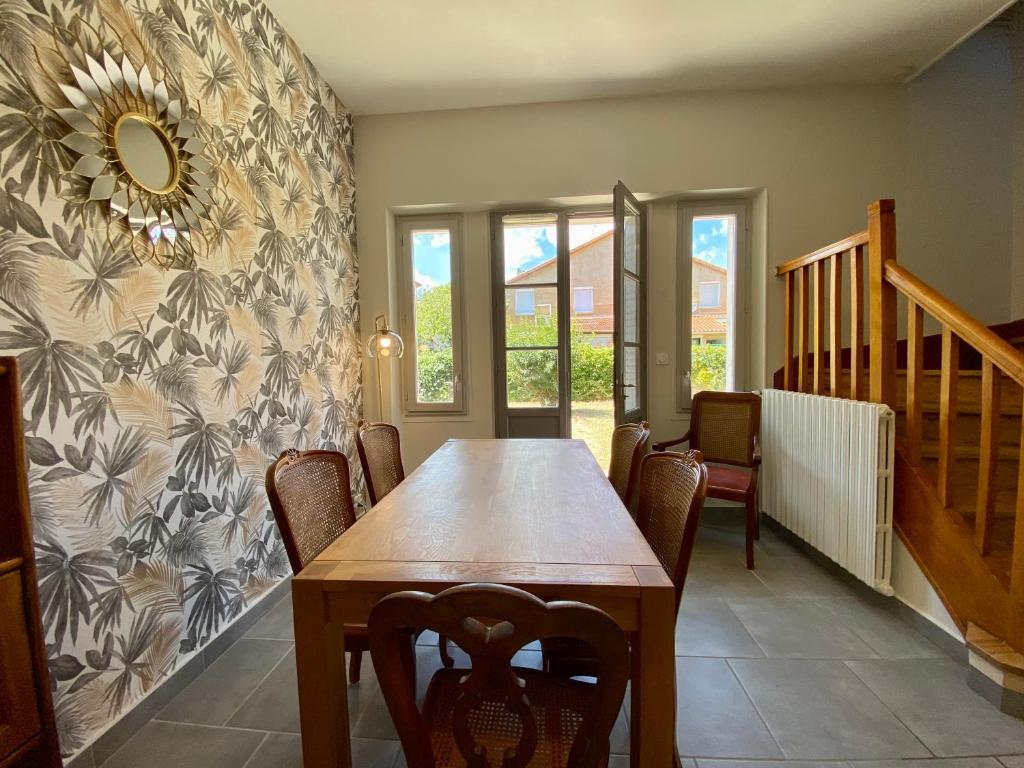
(381, 456)
(725, 427)
(672, 488)
(495, 714)
(629, 444)
(311, 497)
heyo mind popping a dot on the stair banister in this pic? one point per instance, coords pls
(882, 302)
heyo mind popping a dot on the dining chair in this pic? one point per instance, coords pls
(672, 487)
(494, 713)
(311, 497)
(380, 453)
(629, 444)
(381, 456)
(726, 427)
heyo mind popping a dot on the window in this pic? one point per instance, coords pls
(524, 301)
(710, 295)
(712, 279)
(583, 300)
(431, 314)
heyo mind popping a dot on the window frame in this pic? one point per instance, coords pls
(405, 226)
(737, 293)
(575, 290)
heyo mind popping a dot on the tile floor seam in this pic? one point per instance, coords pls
(752, 637)
(259, 684)
(753, 704)
(256, 751)
(899, 719)
(228, 728)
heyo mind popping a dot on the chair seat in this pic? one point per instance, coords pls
(557, 704)
(729, 483)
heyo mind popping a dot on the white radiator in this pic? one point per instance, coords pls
(827, 477)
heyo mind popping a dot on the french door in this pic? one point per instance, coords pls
(568, 293)
(630, 222)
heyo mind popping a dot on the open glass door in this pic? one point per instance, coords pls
(630, 308)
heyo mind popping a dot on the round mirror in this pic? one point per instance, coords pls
(146, 153)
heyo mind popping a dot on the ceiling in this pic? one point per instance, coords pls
(412, 55)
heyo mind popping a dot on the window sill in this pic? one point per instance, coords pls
(434, 418)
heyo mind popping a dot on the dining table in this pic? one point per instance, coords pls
(538, 514)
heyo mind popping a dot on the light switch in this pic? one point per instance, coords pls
(661, 358)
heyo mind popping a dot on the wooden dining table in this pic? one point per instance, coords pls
(536, 514)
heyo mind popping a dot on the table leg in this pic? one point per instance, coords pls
(323, 696)
(653, 688)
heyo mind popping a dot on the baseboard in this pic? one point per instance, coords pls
(129, 723)
(953, 647)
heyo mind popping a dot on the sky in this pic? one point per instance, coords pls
(526, 247)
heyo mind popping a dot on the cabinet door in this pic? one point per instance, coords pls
(19, 709)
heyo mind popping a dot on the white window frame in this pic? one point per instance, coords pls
(583, 290)
(718, 290)
(533, 302)
(406, 225)
(737, 296)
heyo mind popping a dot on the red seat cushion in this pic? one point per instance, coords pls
(729, 483)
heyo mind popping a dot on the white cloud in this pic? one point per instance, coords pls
(522, 245)
(713, 255)
(723, 229)
(440, 240)
(424, 280)
(702, 238)
(584, 233)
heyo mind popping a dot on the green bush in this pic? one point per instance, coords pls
(592, 370)
(708, 369)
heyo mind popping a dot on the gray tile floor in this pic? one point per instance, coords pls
(788, 665)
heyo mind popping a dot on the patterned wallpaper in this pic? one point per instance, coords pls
(154, 400)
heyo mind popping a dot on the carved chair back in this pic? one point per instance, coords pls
(724, 426)
(629, 444)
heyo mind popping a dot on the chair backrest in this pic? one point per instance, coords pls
(724, 426)
(629, 444)
(380, 454)
(672, 490)
(311, 497)
(491, 622)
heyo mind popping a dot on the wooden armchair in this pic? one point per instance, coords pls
(629, 444)
(671, 496)
(311, 498)
(725, 427)
(381, 456)
(496, 714)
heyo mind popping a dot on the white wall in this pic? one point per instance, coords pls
(819, 155)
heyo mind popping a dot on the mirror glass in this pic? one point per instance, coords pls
(145, 153)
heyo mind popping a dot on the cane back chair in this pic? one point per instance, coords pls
(629, 444)
(726, 428)
(494, 714)
(381, 456)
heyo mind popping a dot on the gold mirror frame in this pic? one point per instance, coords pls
(163, 224)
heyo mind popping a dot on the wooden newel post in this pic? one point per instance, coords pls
(882, 301)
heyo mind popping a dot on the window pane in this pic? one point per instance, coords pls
(713, 250)
(432, 307)
(630, 240)
(531, 317)
(631, 309)
(532, 378)
(629, 378)
(530, 247)
(583, 300)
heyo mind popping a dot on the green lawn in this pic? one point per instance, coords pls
(594, 422)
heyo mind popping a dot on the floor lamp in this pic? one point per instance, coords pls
(384, 344)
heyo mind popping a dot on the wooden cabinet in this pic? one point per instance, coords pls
(28, 733)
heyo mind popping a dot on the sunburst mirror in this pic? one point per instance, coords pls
(140, 152)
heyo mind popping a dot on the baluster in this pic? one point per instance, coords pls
(819, 326)
(882, 297)
(835, 323)
(991, 392)
(1017, 561)
(947, 413)
(804, 332)
(788, 370)
(857, 323)
(915, 366)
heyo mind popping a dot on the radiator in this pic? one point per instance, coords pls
(827, 477)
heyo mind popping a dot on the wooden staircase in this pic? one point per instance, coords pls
(958, 396)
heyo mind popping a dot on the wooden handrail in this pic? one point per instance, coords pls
(1009, 360)
(861, 238)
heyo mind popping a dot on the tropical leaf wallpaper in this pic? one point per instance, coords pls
(154, 399)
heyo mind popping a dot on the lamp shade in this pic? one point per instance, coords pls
(384, 342)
